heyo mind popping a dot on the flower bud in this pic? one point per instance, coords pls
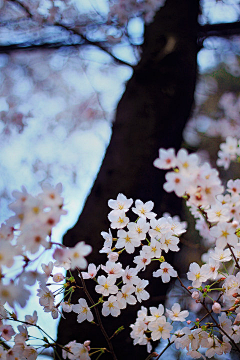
(87, 344)
(113, 256)
(58, 277)
(195, 295)
(216, 308)
(235, 224)
(188, 322)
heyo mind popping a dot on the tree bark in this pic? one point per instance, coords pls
(151, 114)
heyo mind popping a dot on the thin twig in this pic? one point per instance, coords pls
(98, 316)
(236, 261)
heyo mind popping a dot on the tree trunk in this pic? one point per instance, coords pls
(151, 114)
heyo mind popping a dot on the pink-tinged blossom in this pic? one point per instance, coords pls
(187, 163)
(77, 255)
(66, 306)
(224, 159)
(176, 182)
(175, 225)
(153, 249)
(48, 268)
(130, 276)
(231, 286)
(51, 218)
(118, 220)
(218, 213)
(144, 210)
(158, 227)
(225, 234)
(7, 253)
(83, 311)
(166, 271)
(176, 314)
(225, 323)
(46, 297)
(14, 293)
(142, 260)
(140, 291)
(53, 310)
(7, 332)
(160, 329)
(91, 273)
(61, 257)
(76, 351)
(22, 336)
(233, 186)
(221, 255)
(139, 229)
(169, 242)
(230, 146)
(113, 269)
(33, 238)
(30, 277)
(166, 160)
(108, 239)
(106, 286)
(122, 203)
(125, 296)
(211, 268)
(6, 232)
(195, 354)
(51, 195)
(31, 319)
(197, 275)
(128, 240)
(111, 307)
(156, 313)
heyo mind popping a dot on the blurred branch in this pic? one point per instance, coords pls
(74, 31)
(220, 30)
(22, 6)
(225, 30)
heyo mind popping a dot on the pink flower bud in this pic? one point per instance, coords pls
(58, 277)
(113, 256)
(87, 345)
(235, 224)
(195, 295)
(216, 308)
(189, 322)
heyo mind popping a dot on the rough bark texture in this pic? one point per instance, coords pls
(151, 114)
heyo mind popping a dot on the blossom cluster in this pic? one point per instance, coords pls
(217, 213)
(120, 286)
(24, 238)
(156, 323)
(123, 10)
(226, 122)
(230, 151)
(215, 285)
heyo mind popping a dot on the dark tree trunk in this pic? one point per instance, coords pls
(151, 114)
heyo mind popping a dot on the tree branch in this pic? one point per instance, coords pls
(220, 30)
